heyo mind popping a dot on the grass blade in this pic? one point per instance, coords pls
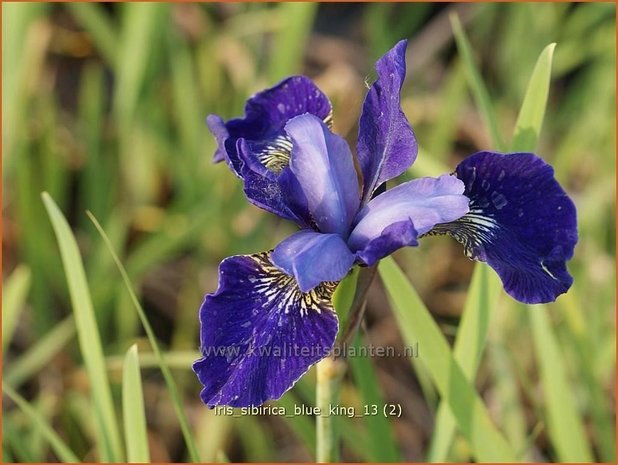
(427, 164)
(88, 333)
(530, 119)
(13, 298)
(382, 446)
(93, 19)
(301, 425)
(213, 431)
(167, 375)
(290, 41)
(479, 91)
(39, 355)
(62, 451)
(141, 25)
(417, 326)
(23, 51)
(344, 297)
(469, 345)
(512, 413)
(180, 360)
(601, 413)
(136, 436)
(564, 423)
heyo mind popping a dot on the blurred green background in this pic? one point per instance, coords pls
(104, 107)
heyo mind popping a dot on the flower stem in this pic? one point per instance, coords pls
(329, 375)
(357, 310)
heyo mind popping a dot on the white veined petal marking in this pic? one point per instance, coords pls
(275, 155)
(328, 121)
(275, 284)
(546, 270)
(473, 231)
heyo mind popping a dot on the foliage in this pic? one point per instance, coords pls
(105, 109)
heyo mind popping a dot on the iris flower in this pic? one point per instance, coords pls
(271, 317)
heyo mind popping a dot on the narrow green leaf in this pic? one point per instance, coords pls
(6, 454)
(94, 19)
(344, 296)
(213, 431)
(14, 437)
(381, 446)
(329, 377)
(45, 403)
(140, 26)
(354, 439)
(291, 40)
(512, 412)
(530, 119)
(15, 291)
(180, 359)
(255, 440)
(24, 45)
(62, 451)
(446, 124)
(586, 349)
(564, 423)
(302, 425)
(417, 326)
(98, 173)
(188, 111)
(479, 91)
(167, 375)
(39, 355)
(428, 164)
(88, 333)
(135, 431)
(469, 345)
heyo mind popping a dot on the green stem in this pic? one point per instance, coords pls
(329, 375)
(330, 370)
(357, 309)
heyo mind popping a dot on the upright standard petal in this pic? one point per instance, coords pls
(392, 238)
(386, 144)
(323, 165)
(313, 258)
(218, 129)
(266, 113)
(260, 333)
(521, 222)
(415, 207)
(264, 190)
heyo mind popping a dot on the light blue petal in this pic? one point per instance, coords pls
(323, 165)
(313, 258)
(424, 201)
(386, 144)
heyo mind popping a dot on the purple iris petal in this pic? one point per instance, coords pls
(393, 237)
(323, 165)
(266, 113)
(424, 201)
(313, 258)
(263, 190)
(218, 129)
(521, 222)
(386, 144)
(259, 333)
(266, 194)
